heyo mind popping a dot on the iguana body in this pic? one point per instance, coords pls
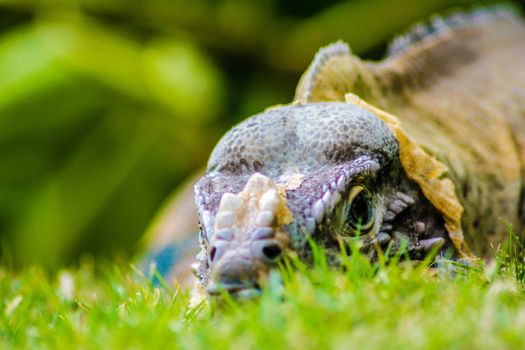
(460, 94)
(434, 154)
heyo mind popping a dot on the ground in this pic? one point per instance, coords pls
(398, 305)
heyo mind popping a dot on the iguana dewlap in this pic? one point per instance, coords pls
(425, 147)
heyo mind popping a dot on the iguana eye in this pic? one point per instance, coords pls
(359, 213)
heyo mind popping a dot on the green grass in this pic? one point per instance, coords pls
(398, 306)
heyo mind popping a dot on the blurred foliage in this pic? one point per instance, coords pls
(106, 105)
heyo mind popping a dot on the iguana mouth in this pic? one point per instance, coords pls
(235, 291)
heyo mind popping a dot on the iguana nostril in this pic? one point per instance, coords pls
(218, 248)
(272, 252)
(213, 252)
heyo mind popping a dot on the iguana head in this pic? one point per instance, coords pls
(329, 171)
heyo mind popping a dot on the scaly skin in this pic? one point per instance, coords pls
(259, 200)
(460, 94)
(433, 158)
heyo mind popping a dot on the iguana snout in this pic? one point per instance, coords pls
(249, 239)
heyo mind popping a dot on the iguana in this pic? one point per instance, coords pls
(424, 148)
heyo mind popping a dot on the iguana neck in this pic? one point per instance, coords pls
(462, 99)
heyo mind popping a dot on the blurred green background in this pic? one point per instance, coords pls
(107, 105)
